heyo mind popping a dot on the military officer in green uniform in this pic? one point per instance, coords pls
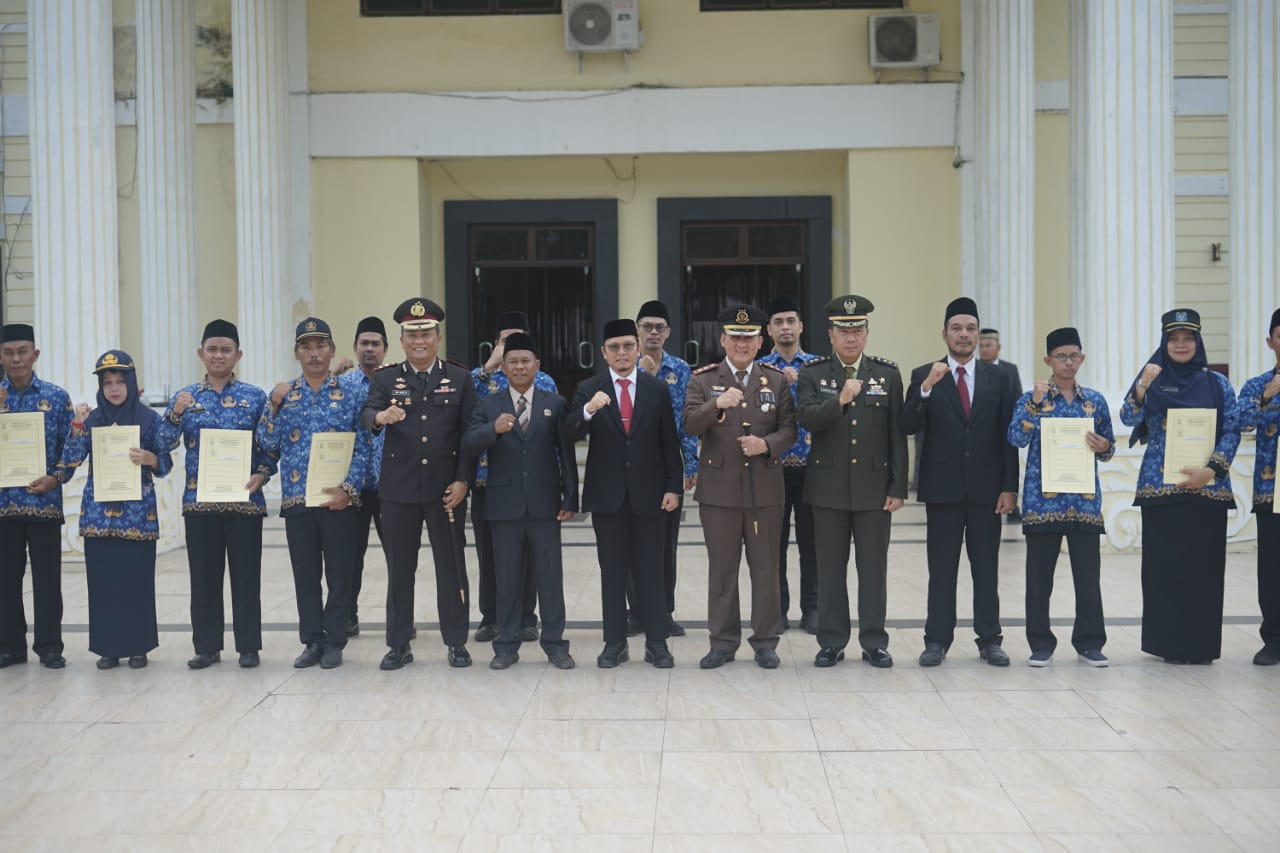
(856, 476)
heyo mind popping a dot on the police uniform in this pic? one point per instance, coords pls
(740, 497)
(857, 460)
(421, 457)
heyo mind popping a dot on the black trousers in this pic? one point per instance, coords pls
(369, 510)
(528, 551)
(488, 584)
(670, 540)
(978, 528)
(1269, 575)
(630, 545)
(869, 530)
(322, 545)
(43, 541)
(216, 543)
(1089, 631)
(403, 525)
(793, 479)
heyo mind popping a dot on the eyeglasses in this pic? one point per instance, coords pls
(654, 327)
(624, 347)
(1068, 358)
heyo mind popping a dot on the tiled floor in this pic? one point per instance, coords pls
(1141, 756)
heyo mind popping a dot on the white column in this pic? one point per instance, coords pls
(166, 193)
(1122, 252)
(1004, 173)
(73, 188)
(259, 51)
(1255, 182)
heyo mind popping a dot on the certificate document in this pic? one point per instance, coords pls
(1189, 441)
(21, 448)
(115, 477)
(225, 456)
(327, 466)
(1066, 460)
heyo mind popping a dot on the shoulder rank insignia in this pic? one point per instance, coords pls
(769, 366)
(706, 368)
(387, 364)
(457, 364)
(886, 362)
(822, 359)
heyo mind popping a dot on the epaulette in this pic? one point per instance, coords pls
(706, 368)
(385, 365)
(457, 364)
(822, 359)
(886, 362)
(768, 366)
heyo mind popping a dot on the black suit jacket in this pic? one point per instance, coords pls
(641, 465)
(533, 472)
(963, 461)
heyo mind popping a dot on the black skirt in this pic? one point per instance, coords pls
(122, 596)
(1184, 566)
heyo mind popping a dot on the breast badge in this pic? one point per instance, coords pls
(230, 402)
(44, 406)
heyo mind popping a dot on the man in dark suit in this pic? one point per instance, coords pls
(424, 405)
(989, 351)
(968, 480)
(856, 477)
(633, 476)
(532, 489)
(746, 417)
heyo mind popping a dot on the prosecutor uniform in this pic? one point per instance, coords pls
(744, 413)
(31, 515)
(423, 465)
(856, 477)
(1259, 404)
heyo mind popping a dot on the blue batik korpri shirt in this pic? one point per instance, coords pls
(355, 382)
(797, 455)
(133, 520)
(676, 372)
(1265, 419)
(45, 397)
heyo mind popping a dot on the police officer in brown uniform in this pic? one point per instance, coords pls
(744, 413)
(851, 403)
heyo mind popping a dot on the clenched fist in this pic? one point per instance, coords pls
(392, 414)
(1039, 391)
(597, 402)
(182, 402)
(939, 370)
(852, 388)
(731, 398)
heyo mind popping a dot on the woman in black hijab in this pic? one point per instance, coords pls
(1184, 522)
(119, 536)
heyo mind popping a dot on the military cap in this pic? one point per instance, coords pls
(848, 312)
(115, 360)
(312, 328)
(418, 313)
(742, 321)
(1181, 318)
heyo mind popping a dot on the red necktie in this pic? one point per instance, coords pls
(963, 388)
(624, 404)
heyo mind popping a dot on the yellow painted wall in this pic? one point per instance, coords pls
(1053, 230)
(683, 47)
(1200, 45)
(1053, 40)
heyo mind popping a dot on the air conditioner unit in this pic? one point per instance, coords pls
(601, 25)
(903, 41)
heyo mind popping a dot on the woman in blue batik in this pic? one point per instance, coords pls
(1184, 523)
(119, 536)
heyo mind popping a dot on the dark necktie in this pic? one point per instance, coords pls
(963, 388)
(522, 413)
(624, 404)
(742, 378)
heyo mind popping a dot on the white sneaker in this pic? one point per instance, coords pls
(1041, 658)
(1093, 657)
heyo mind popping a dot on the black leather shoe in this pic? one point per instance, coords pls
(413, 632)
(612, 655)
(486, 634)
(527, 634)
(203, 661)
(933, 655)
(634, 625)
(396, 658)
(714, 659)
(657, 653)
(9, 659)
(767, 659)
(809, 621)
(108, 663)
(249, 660)
(878, 658)
(52, 660)
(459, 657)
(332, 658)
(1267, 656)
(353, 627)
(138, 662)
(674, 628)
(828, 656)
(310, 656)
(562, 660)
(994, 655)
(785, 626)
(504, 660)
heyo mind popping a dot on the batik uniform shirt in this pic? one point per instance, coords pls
(238, 406)
(675, 372)
(133, 520)
(798, 454)
(1151, 487)
(1054, 512)
(496, 383)
(354, 382)
(1254, 415)
(286, 435)
(39, 396)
